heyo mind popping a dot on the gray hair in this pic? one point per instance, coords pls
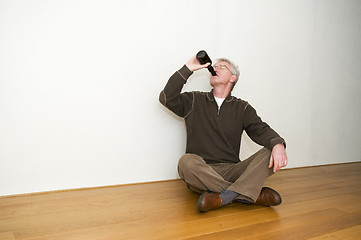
(234, 68)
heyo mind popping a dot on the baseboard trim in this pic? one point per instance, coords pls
(83, 189)
(322, 165)
(151, 182)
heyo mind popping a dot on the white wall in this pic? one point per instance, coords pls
(79, 83)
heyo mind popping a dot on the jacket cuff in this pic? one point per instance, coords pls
(185, 72)
(276, 141)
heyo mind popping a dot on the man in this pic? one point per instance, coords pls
(215, 121)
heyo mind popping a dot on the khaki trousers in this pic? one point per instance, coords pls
(246, 177)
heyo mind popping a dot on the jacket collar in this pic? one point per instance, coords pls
(210, 96)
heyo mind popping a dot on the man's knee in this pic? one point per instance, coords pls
(188, 161)
(262, 157)
(264, 154)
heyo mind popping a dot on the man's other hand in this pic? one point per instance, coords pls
(278, 157)
(194, 65)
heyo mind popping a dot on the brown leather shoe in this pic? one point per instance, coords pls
(209, 201)
(268, 197)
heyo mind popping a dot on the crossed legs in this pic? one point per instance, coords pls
(245, 178)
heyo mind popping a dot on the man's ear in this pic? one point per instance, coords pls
(233, 78)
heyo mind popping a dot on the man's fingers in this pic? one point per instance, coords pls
(284, 161)
(270, 162)
(280, 165)
(202, 66)
(193, 64)
(278, 157)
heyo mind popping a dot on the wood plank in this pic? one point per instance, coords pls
(270, 226)
(311, 228)
(7, 236)
(351, 233)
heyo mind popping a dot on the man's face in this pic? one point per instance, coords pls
(224, 74)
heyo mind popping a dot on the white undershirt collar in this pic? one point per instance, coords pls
(219, 101)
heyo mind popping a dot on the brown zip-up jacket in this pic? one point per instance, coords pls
(212, 133)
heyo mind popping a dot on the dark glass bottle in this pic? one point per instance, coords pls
(203, 58)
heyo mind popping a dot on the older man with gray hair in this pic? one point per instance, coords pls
(215, 122)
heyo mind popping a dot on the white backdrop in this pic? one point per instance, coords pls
(79, 83)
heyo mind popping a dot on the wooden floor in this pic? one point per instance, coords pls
(318, 203)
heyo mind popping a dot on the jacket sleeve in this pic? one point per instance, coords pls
(171, 97)
(259, 131)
